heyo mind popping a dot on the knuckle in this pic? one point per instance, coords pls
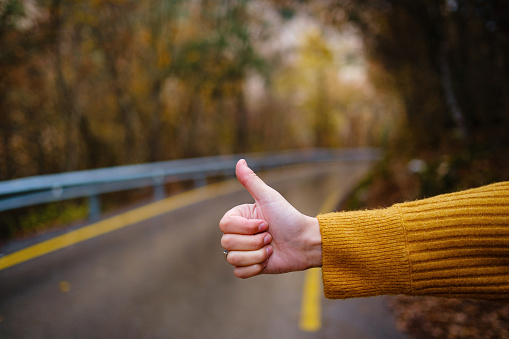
(234, 261)
(232, 258)
(226, 242)
(223, 224)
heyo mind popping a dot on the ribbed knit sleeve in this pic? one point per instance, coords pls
(453, 245)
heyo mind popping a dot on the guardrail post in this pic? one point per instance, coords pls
(159, 193)
(158, 179)
(94, 208)
(200, 181)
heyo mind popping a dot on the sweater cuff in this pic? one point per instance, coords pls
(364, 254)
(464, 252)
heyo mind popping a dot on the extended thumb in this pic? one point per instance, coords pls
(253, 184)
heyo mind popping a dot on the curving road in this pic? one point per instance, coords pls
(165, 277)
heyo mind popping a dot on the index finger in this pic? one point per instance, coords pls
(236, 224)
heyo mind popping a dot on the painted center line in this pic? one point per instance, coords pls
(311, 309)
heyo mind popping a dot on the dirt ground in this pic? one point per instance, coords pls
(428, 317)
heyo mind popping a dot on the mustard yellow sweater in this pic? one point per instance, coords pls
(452, 245)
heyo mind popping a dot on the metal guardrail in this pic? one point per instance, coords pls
(43, 189)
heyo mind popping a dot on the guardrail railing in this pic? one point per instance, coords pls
(43, 189)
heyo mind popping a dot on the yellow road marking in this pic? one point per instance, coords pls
(311, 307)
(119, 221)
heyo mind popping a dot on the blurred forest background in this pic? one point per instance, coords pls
(87, 84)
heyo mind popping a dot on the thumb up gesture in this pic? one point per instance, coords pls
(269, 236)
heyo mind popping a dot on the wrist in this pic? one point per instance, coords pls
(314, 243)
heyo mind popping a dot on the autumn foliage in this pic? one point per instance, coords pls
(87, 84)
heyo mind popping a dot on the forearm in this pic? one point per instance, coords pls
(451, 245)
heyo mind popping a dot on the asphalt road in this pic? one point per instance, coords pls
(166, 278)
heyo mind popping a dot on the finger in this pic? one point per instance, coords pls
(253, 184)
(236, 242)
(249, 271)
(239, 225)
(248, 258)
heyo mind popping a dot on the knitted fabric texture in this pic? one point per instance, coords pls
(452, 245)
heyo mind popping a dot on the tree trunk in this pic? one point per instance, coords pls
(64, 93)
(241, 124)
(126, 109)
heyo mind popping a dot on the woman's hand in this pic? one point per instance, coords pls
(269, 236)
